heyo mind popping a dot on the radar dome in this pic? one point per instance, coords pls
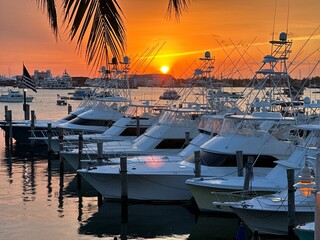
(103, 69)
(114, 60)
(126, 60)
(306, 100)
(283, 36)
(207, 54)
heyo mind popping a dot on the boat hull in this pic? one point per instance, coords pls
(22, 133)
(271, 222)
(142, 187)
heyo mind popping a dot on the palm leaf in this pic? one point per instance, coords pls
(101, 22)
(177, 7)
(51, 13)
(98, 22)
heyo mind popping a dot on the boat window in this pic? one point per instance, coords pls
(311, 139)
(172, 144)
(92, 122)
(178, 118)
(210, 125)
(69, 117)
(132, 131)
(230, 160)
(229, 126)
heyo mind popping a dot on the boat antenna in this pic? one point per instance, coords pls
(287, 29)
(274, 23)
(154, 56)
(305, 43)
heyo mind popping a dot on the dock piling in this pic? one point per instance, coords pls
(239, 157)
(99, 152)
(9, 115)
(80, 147)
(69, 108)
(49, 135)
(291, 203)
(124, 189)
(197, 169)
(33, 119)
(248, 175)
(138, 126)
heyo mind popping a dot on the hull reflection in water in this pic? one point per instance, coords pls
(144, 221)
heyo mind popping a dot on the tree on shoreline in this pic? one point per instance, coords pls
(98, 24)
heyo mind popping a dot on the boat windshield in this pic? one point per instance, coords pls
(312, 139)
(179, 118)
(210, 124)
(117, 106)
(142, 111)
(248, 127)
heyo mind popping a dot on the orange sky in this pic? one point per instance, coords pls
(208, 25)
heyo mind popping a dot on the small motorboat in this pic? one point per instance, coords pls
(14, 96)
(170, 94)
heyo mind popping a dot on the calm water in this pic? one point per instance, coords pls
(36, 202)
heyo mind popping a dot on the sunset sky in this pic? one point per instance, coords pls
(208, 25)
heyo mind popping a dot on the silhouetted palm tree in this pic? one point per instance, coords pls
(101, 21)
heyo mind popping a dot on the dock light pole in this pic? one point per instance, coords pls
(25, 105)
(317, 210)
(309, 185)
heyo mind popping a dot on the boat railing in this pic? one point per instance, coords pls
(40, 134)
(226, 198)
(91, 146)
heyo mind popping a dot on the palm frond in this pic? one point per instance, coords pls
(101, 21)
(177, 7)
(50, 6)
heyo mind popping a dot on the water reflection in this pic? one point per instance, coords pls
(28, 177)
(218, 226)
(144, 221)
(49, 185)
(60, 198)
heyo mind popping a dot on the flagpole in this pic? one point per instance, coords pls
(29, 83)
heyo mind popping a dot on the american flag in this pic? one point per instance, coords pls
(27, 80)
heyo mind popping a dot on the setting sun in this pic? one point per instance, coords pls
(164, 69)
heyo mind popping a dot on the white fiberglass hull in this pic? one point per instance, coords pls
(141, 187)
(274, 221)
